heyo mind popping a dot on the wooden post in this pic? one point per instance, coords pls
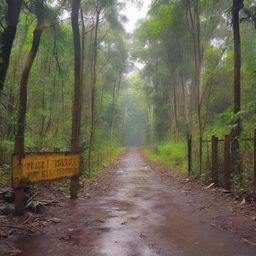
(254, 162)
(19, 203)
(208, 155)
(74, 182)
(227, 162)
(74, 185)
(215, 176)
(189, 139)
(19, 194)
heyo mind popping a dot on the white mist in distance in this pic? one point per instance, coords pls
(134, 12)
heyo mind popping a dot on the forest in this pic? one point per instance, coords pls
(72, 78)
(142, 111)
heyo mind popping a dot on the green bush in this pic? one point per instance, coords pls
(104, 154)
(171, 154)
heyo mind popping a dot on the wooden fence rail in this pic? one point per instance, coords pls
(220, 152)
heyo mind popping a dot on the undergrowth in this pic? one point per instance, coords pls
(105, 154)
(4, 174)
(170, 154)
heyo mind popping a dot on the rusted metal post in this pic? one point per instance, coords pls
(215, 175)
(189, 139)
(254, 162)
(227, 162)
(19, 194)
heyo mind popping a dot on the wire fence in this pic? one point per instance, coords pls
(227, 162)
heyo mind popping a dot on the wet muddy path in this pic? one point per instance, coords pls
(138, 215)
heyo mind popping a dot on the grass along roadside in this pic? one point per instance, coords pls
(169, 154)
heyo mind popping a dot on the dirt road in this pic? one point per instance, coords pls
(139, 213)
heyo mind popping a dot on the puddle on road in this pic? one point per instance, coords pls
(143, 217)
(159, 228)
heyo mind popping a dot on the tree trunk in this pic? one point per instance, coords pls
(115, 97)
(150, 116)
(175, 111)
(195, 31)
(7, 38)
(14, 80)
(82, 54)
(124, 125)
(77, 100)
(93, 87)
(184, 99)
(237, 6)
(19, 146)
(236, 126)
(19, 140)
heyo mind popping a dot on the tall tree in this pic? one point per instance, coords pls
(77, 100)
(7, 36)
(93, 79)
(39, 10)
(236, 126)
(237, 6)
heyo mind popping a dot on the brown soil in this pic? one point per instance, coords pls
(137, 208)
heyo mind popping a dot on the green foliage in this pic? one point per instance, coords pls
(50, 88)
(4, 174)
(171, 154)
(104, 154)
(7, 146)
(136, 108)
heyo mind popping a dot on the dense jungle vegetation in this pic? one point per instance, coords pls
(187, 69)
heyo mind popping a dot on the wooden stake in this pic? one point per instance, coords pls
(215, 177)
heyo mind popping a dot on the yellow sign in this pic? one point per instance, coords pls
(34, 167)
